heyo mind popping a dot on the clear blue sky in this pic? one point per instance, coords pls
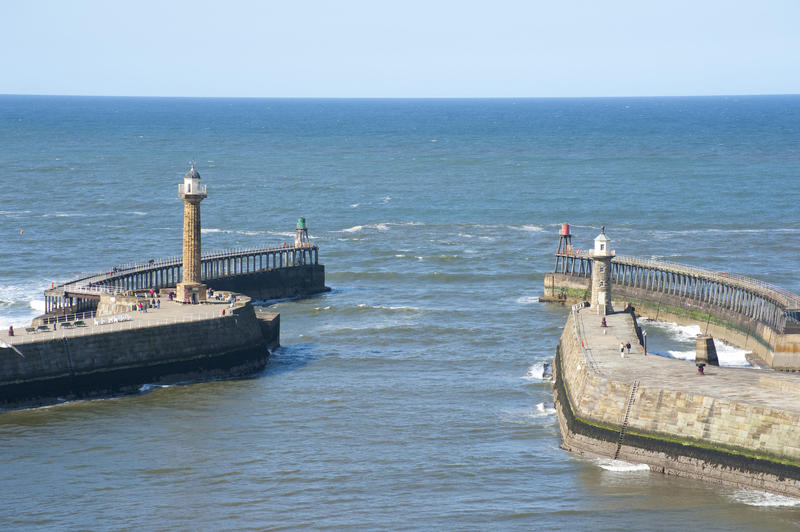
(403, 48)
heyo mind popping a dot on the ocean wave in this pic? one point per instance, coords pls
(208, 230)
(354, 229)
(527, 300)
(727, 354)
(762, 498)
(387, 307)
(770, 230)
(536, 372)
(683, 333)
(525, 416)
(531, 228)
(379, 226)
(20, 303)
(358, 228)
(620, 466)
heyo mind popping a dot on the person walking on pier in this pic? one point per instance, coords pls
(622, 350)
(628, 348)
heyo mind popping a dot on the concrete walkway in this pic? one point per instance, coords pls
(170, 312)
(763, 387)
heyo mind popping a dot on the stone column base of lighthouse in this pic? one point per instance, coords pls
(194, 292)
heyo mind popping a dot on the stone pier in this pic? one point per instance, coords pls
(736, 426)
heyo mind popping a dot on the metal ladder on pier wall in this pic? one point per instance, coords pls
(631, 398)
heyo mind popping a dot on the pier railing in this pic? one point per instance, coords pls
(81, 294)
(751, 298)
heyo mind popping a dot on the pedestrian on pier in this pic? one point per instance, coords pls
(628, 348)
(11, 330)
(622, 350)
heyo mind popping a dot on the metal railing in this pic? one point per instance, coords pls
(97, 281)
(787, 299)
(89, 314)
(198, 190)
(580, 334)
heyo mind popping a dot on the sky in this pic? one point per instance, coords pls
(403, 48)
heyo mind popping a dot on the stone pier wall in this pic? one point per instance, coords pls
(275, 284)
(673, 432)
(121, 361)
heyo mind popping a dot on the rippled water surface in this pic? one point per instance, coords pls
(410, 396)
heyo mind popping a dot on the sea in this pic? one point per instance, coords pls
(411, 396)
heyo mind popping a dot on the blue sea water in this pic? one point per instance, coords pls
(410, 396)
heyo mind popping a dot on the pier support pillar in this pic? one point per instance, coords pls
(706, 351)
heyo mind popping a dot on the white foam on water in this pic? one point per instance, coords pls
(280, 233)
(728, 355)
(729, 231)
(527, 300)
(382, 226)
(532, 228)
(213, 230)
(543, 410)
(20, 303)
(524, 417)
(683, 333)
(354, 205)
(386, 199)
(680, 355)
(535, 372)
(387, 307)
(619, 466)
(137, 213)
(762, 498)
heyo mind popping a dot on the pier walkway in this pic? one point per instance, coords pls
(170, 312)
(763, 387)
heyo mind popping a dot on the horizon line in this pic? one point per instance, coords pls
(2, 94)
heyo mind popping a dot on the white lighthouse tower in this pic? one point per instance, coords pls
(192, 193)
(601, 273)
